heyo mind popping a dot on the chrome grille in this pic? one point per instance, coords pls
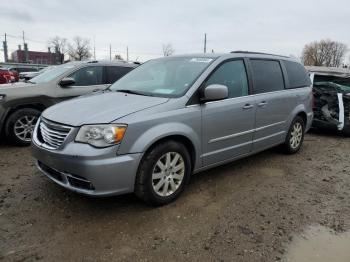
(52, 134)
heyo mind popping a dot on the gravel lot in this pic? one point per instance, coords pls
(249, 210)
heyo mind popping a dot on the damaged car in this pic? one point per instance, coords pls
(331, 88)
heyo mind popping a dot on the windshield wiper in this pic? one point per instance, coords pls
(132, 92)
(28, 81)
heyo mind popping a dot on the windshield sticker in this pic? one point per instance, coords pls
(201, 60)
(164, 91)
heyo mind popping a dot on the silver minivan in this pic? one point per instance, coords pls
(172, 117)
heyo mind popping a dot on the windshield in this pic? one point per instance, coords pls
(51, 73)
(164, 77)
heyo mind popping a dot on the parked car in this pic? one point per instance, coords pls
(6, 76)
(22, 103)
(331, 87)
(172, 117)
(16, 70)
(30, 74)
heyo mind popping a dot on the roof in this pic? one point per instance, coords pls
(238, 53)
(332, 71)
(106, 62)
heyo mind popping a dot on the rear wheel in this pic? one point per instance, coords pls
(295, 136)
(20, 126)
(163, 173)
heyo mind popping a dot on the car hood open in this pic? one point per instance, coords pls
(99, 108)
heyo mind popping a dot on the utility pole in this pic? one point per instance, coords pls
(5, 49)
(127, 53)
(110, 52)
(205, 43)
(25, 47)
(94, 49)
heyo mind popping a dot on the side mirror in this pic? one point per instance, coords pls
(67, 81)
(214, 92)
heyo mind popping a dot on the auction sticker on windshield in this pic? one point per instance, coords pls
(201, 60)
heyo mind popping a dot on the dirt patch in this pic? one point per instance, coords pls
(249, 210)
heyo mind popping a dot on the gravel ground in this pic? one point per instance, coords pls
(248, 210)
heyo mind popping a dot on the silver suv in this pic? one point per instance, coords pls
(172, 117)
(22, 103)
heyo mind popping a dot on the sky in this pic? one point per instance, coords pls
(280, 27)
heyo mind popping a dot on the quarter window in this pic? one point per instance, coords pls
(233, 75)
(267, 76)
(88, 76)
(297, 75)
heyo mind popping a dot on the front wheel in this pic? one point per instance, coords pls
(20, 126)
(163, 173)
(295, 136)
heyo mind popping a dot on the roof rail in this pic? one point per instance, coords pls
(256, 53)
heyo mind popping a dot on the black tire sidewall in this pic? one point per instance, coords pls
(145, 171)
(288, 146)
(12, 120)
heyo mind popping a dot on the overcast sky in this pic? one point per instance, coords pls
(281, 27)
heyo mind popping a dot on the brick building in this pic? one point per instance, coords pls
(34, 57)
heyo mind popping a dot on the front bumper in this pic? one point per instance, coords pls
(94, 171)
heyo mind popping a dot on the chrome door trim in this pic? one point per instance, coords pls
(230, 136)
(218, 139)
(271, 125)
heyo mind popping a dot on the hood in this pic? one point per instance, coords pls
(99, 108)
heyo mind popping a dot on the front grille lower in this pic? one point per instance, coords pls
(53, 135)
(65, 178)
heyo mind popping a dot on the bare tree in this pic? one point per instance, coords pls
(168, 50)
(58, 44)
(118, 57)
(324, 53)
(79, 49)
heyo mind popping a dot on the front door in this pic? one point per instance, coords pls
(87, 80)
(228, 125)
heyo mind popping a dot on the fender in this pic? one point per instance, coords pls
(160, 131)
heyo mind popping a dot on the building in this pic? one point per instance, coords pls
(34, 57)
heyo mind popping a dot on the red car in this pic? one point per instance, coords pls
(6, 76)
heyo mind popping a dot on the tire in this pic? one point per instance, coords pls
(292, 146)
(20, 126)
(150, 176)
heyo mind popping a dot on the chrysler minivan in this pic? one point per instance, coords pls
(172, 117)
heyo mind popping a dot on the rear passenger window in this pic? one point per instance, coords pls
(233, 75)
(116, 72)
(88, 76)
(297, 75)
(267, 76)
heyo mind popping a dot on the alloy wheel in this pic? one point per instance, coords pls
(24, 127)
(296, 135)
(168, 174)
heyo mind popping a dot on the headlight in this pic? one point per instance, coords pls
(101, 135)
(2, 97)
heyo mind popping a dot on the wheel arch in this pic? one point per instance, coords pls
(37, 106)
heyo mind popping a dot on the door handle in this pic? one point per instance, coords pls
(95, 90)
(248, 106)
(263, 103)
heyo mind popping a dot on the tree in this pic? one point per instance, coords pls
(118, 57)
(168, 50)
(58, 44)
(324, 53)
(79, 49)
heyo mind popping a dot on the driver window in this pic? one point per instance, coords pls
(233, 75)
(88, 76)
